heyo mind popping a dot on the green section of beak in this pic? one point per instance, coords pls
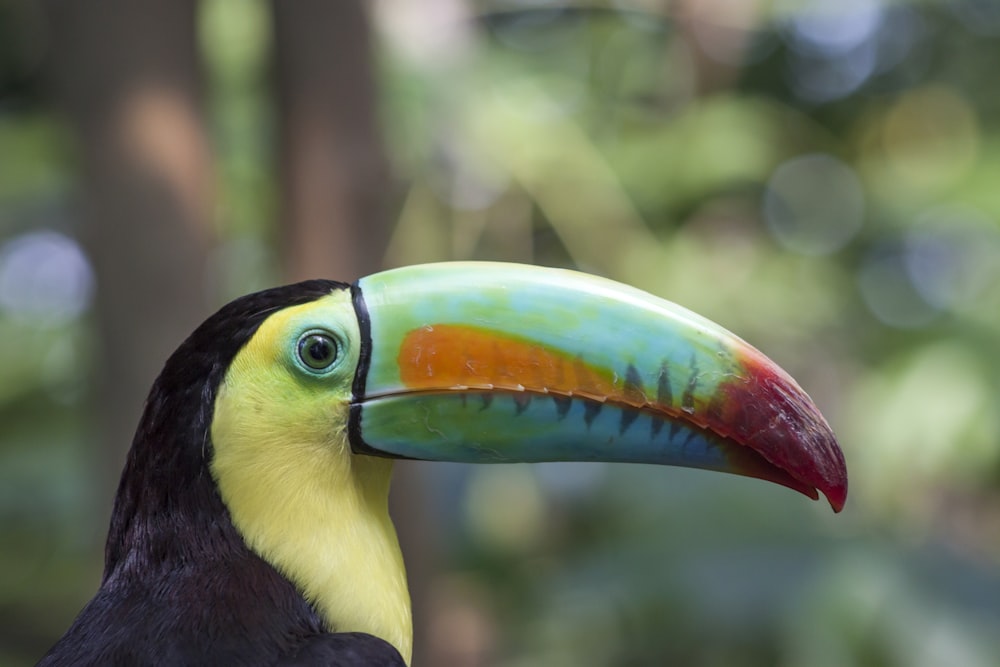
(486, 362)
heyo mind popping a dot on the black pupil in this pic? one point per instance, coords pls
(319, 351)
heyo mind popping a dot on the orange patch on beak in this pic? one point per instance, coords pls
(449, 356)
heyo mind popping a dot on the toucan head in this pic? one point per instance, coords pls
(500, 363)
(478, 363)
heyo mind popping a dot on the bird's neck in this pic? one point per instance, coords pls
(319, 515)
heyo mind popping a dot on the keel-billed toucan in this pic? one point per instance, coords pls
(251, 526)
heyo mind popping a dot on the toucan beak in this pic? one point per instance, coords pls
(485, 362)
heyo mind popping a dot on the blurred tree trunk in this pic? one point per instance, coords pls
(334, 176)
(126, 73)
(336, 189)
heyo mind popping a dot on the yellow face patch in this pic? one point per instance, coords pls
(285, 470)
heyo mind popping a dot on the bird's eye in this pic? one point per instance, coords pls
(317, 351)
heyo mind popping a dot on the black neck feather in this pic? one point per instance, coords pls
(168, 511)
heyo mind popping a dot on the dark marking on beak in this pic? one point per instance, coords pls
(590, 411)
(664, 396)
(633, 388)
(629, 415)
(563, 404)
(687, 398)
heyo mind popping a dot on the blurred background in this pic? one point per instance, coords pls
(821, 178)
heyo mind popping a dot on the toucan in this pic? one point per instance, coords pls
(250, 525)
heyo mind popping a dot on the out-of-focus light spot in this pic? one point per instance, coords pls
(819, 79)
(505, 507)
(814, 204)
(838, 47)
(931, 137)
(933, 262)
(952, 255)
(834, 28)
(901, 30)
(45, 277)
(889, 292)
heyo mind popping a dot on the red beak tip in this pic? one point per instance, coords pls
(837, 497)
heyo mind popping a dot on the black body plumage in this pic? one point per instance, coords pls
(180, 586)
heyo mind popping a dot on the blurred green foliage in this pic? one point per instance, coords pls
(821, 180)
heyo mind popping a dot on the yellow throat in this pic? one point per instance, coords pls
(302, 501)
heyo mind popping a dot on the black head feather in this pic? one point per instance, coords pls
(166, 488)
